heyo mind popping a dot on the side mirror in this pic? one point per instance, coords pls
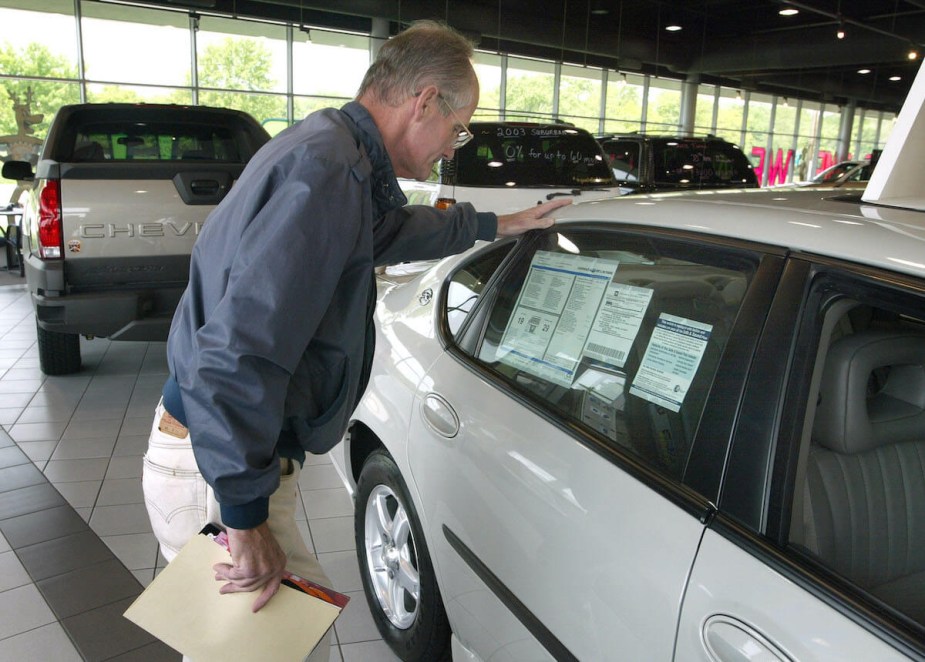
(17, 170)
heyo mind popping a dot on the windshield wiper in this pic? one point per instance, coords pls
(574, 191)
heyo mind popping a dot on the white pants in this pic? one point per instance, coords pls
(180, 503)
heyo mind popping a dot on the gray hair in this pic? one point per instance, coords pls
(427, 53)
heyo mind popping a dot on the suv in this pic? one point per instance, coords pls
(113, 211)
(509, 166)
(645, 163)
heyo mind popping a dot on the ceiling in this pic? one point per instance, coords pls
(744, 44)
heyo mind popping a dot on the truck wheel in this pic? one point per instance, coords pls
(59, 353)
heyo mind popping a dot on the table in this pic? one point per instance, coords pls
(12, 236)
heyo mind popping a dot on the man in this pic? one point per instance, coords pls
(270, 346)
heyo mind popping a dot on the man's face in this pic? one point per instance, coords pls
(436, 136)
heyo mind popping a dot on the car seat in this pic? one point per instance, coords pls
(863, 499)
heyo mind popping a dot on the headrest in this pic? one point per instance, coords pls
(872, 392)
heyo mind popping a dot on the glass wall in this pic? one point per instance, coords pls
(623, 105)
(730, 111)
(706, 105)
(580, 96)
(663, 109)
(109, 29)
(280, 73)
(489, 68)
(808, 140)
(530, 89)
(828, 137)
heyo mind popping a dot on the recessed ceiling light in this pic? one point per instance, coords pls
(673, 27)
(863, 71)
(789, 11)
(895, 78)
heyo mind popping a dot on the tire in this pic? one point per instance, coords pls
(393, 554)
(59, 353)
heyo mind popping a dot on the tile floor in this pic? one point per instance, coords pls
(75, 543)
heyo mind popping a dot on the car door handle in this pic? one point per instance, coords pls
(439, 415)
(730, 640)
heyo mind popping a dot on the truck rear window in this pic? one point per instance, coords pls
(546, 156)
(154, 141)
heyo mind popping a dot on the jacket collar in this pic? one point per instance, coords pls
(387, 195)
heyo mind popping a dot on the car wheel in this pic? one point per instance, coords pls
(398, 577)
(59, 353)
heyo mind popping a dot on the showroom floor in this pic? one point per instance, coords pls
(75, 543)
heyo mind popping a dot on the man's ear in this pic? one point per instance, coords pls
(425, 100)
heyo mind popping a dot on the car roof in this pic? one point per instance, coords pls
(659, 137)
(812, 221)
(482, 127)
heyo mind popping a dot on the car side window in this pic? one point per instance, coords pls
(624, 158)
(466, 284)
(859, 499)
(620, 335)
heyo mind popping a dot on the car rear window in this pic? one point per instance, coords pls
(693, 163)
(525, 156)
(703, 162)
(154, 141)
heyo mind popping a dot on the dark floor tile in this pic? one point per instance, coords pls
(23, 475)
(61, 555)
(156, 652)
(88, 588)
(29, 500)
(41, 526)
(11, 456)
(103, 633)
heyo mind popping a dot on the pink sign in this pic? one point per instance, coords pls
(778, 169)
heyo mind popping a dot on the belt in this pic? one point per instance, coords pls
(173, 427)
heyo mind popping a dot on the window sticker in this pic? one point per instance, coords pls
(552, 318)
(671, 361)
(617, 323)
(602, 402)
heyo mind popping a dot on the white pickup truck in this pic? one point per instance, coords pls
(117, 200)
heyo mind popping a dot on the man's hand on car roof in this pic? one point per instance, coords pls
(534, 218)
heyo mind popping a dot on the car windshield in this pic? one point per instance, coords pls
(530, 156)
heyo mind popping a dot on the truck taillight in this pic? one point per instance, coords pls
(50, 219)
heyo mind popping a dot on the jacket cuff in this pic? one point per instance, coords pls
(488, 225)
(246, 515)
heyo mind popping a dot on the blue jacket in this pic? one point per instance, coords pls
(271, 343)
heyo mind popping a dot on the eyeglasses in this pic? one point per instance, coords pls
(464, 135)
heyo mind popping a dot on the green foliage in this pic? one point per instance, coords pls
(624, 108)
(664, 115)
(530, 94)
(35, 60)
(580, 102)
(117, 93)
(240, 64)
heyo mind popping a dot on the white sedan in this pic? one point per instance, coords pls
(668, 428)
